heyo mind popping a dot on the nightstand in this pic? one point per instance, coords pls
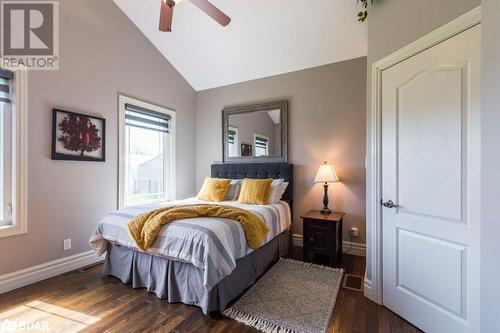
(323, 235)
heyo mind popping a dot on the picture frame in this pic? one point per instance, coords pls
(78, 137)
(246, 150)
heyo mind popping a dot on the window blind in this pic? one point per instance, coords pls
(231, 135)
(137, 116)
(5, 79)
(260, 142)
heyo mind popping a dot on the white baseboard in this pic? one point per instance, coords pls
(27, 276)
(356, 249)
(298, 240)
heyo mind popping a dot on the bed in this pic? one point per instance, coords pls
(205, 261)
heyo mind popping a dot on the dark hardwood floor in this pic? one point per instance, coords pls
(85, 301)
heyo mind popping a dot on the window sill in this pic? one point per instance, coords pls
(145, 203)
(12, 230)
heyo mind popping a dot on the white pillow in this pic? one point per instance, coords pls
(277, 192)
(233, 191)
(277, 182)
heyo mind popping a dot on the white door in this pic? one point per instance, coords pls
(431, 172)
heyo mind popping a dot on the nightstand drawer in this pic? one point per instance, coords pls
(317, 224)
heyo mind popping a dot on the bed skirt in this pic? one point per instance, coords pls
(182, 282)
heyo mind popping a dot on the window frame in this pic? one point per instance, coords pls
(255, 136)
(19, 156)
(170, 188)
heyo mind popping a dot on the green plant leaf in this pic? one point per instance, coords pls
(362, 15)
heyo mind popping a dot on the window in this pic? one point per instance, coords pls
(261, 143)
(147, 153)
(13, 153)
(233, 141)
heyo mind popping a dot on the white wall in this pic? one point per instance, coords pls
(490, 188)
(101, 54)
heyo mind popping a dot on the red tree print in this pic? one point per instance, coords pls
(79, 134)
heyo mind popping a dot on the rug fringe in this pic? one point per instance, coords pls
(326, 268)
(260, 324)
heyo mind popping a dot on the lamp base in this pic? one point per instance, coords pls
(326, 211)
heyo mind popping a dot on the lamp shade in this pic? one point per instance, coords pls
(326, 174)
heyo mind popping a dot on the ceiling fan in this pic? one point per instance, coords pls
(167, 10)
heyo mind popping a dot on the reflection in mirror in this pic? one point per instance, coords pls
(233, 141)
(255, 132)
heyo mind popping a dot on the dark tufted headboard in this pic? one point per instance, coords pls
(258, 170)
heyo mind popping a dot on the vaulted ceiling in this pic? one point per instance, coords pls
(264, 38)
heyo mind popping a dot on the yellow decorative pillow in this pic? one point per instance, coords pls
(255, 191)
(214, 189)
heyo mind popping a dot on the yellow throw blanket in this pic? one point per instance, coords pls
(145, 228)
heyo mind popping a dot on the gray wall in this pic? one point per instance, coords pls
(326, 122)
(490, 187)
(102, 54)
(393, 24)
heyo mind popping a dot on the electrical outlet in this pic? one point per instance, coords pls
(354, 232)
(67, 244)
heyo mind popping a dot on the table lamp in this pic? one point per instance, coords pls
(326, 175)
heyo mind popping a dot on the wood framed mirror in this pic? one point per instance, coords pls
(255, 133)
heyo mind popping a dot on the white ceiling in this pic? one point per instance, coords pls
(264, 38)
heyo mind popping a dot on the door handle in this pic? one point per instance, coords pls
(389, 204)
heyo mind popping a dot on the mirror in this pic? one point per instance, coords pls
(255, 132)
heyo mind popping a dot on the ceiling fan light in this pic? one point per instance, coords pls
(171, 3)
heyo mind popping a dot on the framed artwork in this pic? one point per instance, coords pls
(246, 149)
(78, 137)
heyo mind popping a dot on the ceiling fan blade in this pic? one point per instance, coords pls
(166, 13)
(212, 11)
